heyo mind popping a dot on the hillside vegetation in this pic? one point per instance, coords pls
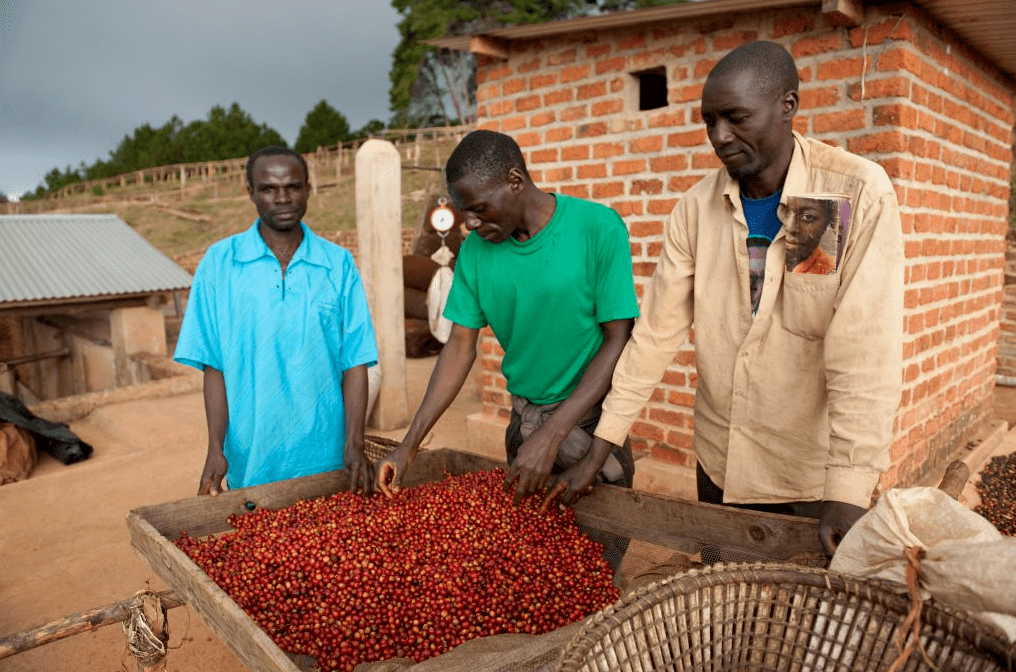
(185, 221)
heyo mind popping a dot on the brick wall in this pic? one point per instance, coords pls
(1007, 320)
(899, 90)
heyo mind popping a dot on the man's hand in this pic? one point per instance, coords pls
(361, 471)
(534, 462)
(213, 473)
(392, 468)
(574, 483)
(837, 518)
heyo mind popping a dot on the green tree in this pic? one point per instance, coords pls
(324, 126)
(372, 127)
(423, 77)
(226, 134)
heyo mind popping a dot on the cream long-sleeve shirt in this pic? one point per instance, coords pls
(797, 402)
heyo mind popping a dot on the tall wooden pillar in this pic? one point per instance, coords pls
(379, 236)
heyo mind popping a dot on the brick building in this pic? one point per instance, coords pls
(607, 108)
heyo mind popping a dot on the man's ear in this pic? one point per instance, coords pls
(516, 179)
(789, 104)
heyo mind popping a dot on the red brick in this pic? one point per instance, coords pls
(575, 152)
(847, 120)
(576, 190)
(608, 189)
(682, 183)
(890, 87)
(558, 175)
(592, 171)
(574, 73)
(644, 144)
(559, 135)
(669, 118)
(559, 96)
(633, 41)
(573, 113)
(820, 44)
(606, 150)
(668, 162)
(543, 156)
(665, 416)
(629, 166)
(662, 206)
(687, 138)
(627, 208)
(562, 57)
(528, 139)
(528, 66)
(597, 50)
(841, 68)
(686, 94)
(542, 118)
(646, 187)
(733, 40)
(645, 230)
(513, 124)
(826, 96)
(792, 25)
(592, 90)
(527, 103)
(542, 80)
(875, 143)
(605, 107)
(707, 160)
(704, 66)
(615, 64)
(513, 86)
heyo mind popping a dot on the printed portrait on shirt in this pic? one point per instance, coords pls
(816, 229)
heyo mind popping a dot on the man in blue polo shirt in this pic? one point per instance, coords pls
(278, 322)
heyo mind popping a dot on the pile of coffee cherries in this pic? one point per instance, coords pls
(350, 579)
(997, 489)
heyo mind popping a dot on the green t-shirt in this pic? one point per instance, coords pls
(545, 298)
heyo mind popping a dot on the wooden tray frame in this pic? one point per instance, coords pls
(660, 520)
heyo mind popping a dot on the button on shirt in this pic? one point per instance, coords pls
(282, 342)
(798, 403)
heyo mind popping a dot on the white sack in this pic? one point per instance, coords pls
(968, 564)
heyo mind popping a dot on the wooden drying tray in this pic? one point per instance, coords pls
(663, 521)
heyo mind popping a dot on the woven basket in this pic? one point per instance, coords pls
(777, 618)
(377, 447)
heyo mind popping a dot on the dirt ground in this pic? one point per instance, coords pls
(64, 545)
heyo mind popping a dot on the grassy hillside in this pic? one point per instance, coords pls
(185, 221)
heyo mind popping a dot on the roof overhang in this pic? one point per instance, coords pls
(989, 26)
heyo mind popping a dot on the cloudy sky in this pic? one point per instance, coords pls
(76, 76)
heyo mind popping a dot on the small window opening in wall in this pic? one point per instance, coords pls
(652, 88)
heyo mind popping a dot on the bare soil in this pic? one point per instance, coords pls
(64, 545)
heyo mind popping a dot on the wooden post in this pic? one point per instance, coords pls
(338, 163)
(312, 167)
(379, 236)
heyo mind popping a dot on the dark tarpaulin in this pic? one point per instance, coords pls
(53, 437)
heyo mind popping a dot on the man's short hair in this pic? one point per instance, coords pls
(275, 150)
(485, 156)
(772, 65)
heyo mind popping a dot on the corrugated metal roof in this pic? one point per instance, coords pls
(987, 25)
(53, 257)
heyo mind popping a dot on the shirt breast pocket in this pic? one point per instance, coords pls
(808, 302)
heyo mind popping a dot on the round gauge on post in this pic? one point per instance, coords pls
(442, 218)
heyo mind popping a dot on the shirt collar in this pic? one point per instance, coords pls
(795, 183)
(250, 246)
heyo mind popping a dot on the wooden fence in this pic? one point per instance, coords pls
(326, 166)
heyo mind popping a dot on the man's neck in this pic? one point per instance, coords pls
(283, 244)
(538, 212)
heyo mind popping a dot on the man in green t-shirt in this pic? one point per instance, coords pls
(552, 276)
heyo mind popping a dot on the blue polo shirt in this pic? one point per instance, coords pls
(282, 344)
